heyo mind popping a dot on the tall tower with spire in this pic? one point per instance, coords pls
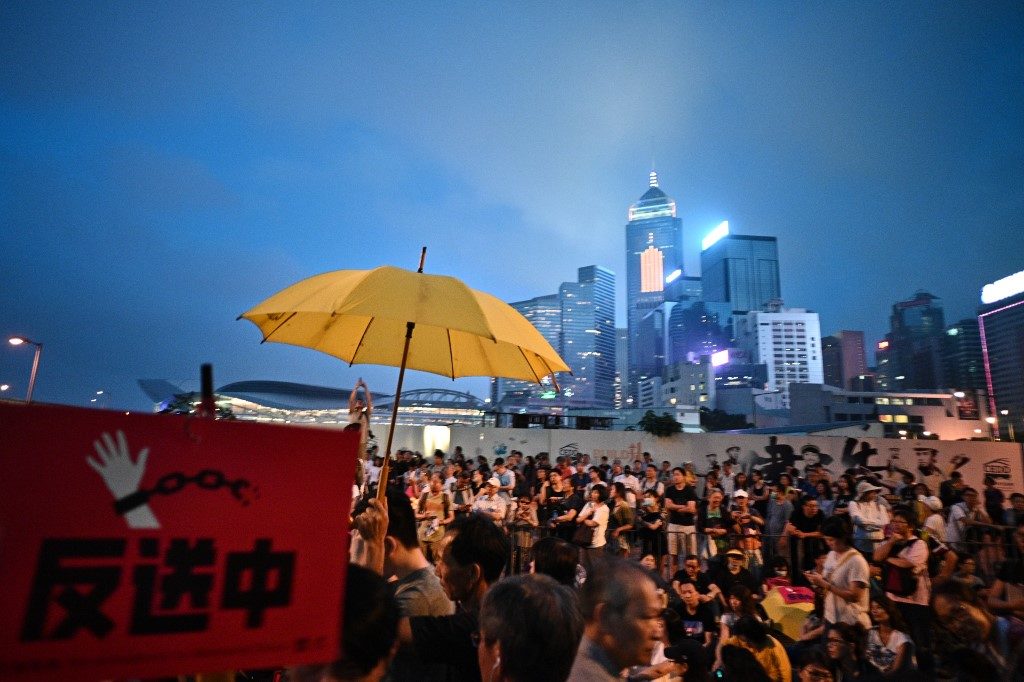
(654, 252)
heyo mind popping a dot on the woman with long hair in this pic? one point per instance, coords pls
(846, 492)
(889, 647)
(739, 603)
(620, 520)
(825, 502)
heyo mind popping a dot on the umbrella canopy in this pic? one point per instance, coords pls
(361, 316)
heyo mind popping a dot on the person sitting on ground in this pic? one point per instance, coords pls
(741, 603)
(622, 611)
(698, 619)
(368, 635)
(530, 628)
(740, 665)
(844, 644)
(691, 573)
(814, 667)
(556, 558)
(968, 627)
(966, 574)
(735, 573)
(751, 634)
(889, 647)
(777, 574)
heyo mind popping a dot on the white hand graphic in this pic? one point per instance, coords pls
(122, 476)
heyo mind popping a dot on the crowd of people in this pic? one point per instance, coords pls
(556, 568)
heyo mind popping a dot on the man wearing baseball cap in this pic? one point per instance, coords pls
(490, 504)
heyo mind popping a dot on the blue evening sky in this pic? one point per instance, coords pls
(166, 166)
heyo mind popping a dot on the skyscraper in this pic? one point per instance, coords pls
(832, 360)
(742, 270)
(964, 365)
(854, 359)
(654, 251)
(588, 337)
(578, 322)
(917, 327)
(788, 342)
(1001, 322)
(544, 313)
(844, 359)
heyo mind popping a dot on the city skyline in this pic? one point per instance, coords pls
(165, 168)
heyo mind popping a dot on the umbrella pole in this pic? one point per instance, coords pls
(382, 482)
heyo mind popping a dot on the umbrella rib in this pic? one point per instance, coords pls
(528, 364)
(451, 351)
(360, 344)
(267, 337)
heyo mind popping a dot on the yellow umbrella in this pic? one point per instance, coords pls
(363, 316)
(786, 614)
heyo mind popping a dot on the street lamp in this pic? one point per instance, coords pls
(21, 341)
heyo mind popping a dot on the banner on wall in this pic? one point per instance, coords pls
(157, 545)
(929, 461)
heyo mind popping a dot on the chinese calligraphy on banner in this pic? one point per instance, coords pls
(146, 545)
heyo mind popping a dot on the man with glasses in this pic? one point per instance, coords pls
(691, 574)
(904, 551)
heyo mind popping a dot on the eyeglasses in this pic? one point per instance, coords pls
(476, 638)
(834, 640)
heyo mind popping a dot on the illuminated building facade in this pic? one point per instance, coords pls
(544, 313)
(588, 338)
(1001, 326)
(578, 322)
(654, 253)
(788, 343)
(741, 270)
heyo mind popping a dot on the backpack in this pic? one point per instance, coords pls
(897, 580)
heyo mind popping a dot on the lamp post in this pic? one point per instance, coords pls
(20, 341)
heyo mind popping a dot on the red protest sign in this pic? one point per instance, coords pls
(146, 545)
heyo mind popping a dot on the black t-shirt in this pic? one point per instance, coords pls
(696, 624)
(806, 524)
(701, 582)
(684, 496)
(725, 580)
(447, 639)
(1011, 572)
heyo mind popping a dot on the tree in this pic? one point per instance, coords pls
(662, 426)
(717, 420)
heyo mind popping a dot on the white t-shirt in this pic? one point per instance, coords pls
(883, 654)
(917, 554)
(599, 513)
(936, 527)
(844, 570)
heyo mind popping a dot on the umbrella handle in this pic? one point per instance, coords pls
(382, 482)
(423, 257)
